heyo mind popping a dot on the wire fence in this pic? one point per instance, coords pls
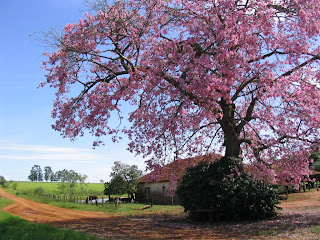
(81, 199)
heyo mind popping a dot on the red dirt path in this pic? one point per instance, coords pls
(117, 227)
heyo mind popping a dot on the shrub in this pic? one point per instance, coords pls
(224, 186)
(38, 191)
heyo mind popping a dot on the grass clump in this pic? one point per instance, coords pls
(15, 228)
(315, 230)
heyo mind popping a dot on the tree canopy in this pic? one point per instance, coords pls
(35, 174)
(3, 180)
(236, 76)
(124, 179)
(48, 173)
(69, 180)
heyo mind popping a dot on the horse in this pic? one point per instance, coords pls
(90, 198)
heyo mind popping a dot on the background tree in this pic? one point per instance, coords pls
(3, 180)
(36, 174)
(71, 182)
(240, 77)
(48, 173)
(124, 179)
(116, 186)
(54, 177)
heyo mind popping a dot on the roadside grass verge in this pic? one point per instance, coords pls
(315, 230)
(15, 228)
(124, 209)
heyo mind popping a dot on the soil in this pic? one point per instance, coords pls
(103, 225)
(307, 200)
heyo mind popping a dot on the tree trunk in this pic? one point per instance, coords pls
(232, 147)
(230, 129)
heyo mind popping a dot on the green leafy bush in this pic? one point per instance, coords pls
(38, 191)
(223, 189)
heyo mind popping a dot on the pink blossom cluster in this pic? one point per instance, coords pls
(201, 76)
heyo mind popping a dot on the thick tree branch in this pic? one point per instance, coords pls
(248, 116)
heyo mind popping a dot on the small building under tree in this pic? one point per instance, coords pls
(159, 186)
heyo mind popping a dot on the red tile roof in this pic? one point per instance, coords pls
(176, 169)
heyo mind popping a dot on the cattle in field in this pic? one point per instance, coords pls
(126, 200)
(121, 200)
(91, 198)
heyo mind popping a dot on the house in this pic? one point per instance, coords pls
(159, 186)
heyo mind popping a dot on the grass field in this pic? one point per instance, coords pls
(25, 188)
(15, 228)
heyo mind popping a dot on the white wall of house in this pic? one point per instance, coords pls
(155, 192)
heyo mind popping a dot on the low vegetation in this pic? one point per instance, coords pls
(222, 190)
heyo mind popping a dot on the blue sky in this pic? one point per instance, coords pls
(26, 136)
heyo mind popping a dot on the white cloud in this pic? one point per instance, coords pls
(20, 151)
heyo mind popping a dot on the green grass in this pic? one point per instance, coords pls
(15, 228)
(315, 230)
(52, 187)
(4, 202)
(269, 232)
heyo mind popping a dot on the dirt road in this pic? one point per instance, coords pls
(42, 213)
(148, 228)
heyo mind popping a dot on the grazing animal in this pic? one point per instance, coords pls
(91, 198)
(126, 200)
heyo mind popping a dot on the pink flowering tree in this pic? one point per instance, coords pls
(237, 76)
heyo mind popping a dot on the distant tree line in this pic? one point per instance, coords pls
(36, 175)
